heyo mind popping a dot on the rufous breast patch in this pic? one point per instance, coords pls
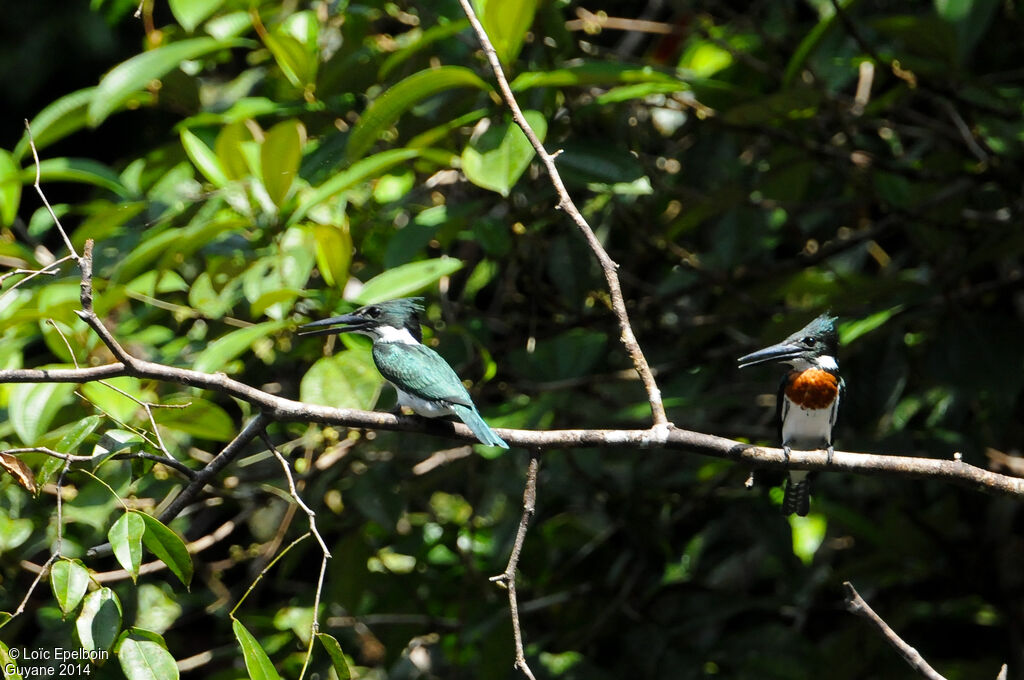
(812, 388)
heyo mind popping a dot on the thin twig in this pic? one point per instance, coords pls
(508, 577)
(855, 604)
(608, 266)
(39, 190)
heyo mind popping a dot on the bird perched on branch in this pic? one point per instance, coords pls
(808, 398)
(423, 379)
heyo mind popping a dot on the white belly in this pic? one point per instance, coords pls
(806, 429)
(422, 407)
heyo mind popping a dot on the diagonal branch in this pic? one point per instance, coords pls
(855, 604)
(608, 266)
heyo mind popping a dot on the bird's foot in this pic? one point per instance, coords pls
(786, 450)
(828, 454)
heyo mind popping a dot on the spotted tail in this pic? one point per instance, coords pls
(797, 498)
(483, 432)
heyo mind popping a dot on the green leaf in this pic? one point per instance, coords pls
(100, 620)
(280, 155)
(228, 148)
(74, 437)
(69, 580)
(32, 408)
(227, 347)
(345, 380)
(358, 172)
(10, 188)
(125, 536)
(113, 402)
(338, 659)
(256, 660)
(83, 170)
(333, 253)
(808, 534)
(158, 607)
(143, 655)
(112, 442)
(9, 665)
(812, 40)
(851, 330)
(133, 75)
(497, 158)
(506, 24)
(191, 13)
(386, 109)
(201, 418)
(591, 73)
(168, 547)
(204, 158)
(298, 66)
(59, 119)
(406, 279)
(426, 39)
(13, 532)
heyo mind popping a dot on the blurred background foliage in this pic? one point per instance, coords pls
(246, 166)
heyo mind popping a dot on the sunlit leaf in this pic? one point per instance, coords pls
(498, 157)
(125, 536)
(99, 622)
(225, 348)
(338, 659)
(291, 56)
(33, 406)
(257, 663)
(143, 655)
(808, 535)
(347, 379)
(386, 109)
(69, 580)
(333, 253)
(10, 666)
(280, 155)
(10, 188)
(506, 24)
(81, 170)
(406, 279)
(132, 75)
(204, 158)
(168, 547)
(191, 13)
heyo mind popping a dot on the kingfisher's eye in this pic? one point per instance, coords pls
(809, 341)
(373, 312)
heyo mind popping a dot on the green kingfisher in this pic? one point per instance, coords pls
(423, 379)
(808, 398)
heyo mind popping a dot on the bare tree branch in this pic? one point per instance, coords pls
(855, 604)
(508, 577)
(608, 266)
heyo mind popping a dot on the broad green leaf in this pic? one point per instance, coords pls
(298, 620)
(82, 170)
(99, 622)
(228, 148)
(227, 347)
(506, 24)
(59, 119)
(168, 547)
(158, 607)
(426, 39)
(333, 253)
(125, 536)
(280, 155)
(851, 330)
(497, 158)
(808, 534)
(33, 406)
(204, 158)
(393, 186)
(10, 188)
(191, 13)
(113, 402)
(591, 73)
(13, 532)
(256, 660)
(338, 660)
(386, 109)
(356, 173)
(133, 75)
(345, 380)
(74, 437)
(431, 136)
(201, 418)
(298, 65)
(9, 665)
(406, 279)
(143, 655)
(69, 580)
(113, 442)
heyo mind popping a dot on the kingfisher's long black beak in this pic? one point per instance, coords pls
(350, 322)
(781, 352)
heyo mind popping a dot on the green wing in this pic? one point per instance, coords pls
(420, 371)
